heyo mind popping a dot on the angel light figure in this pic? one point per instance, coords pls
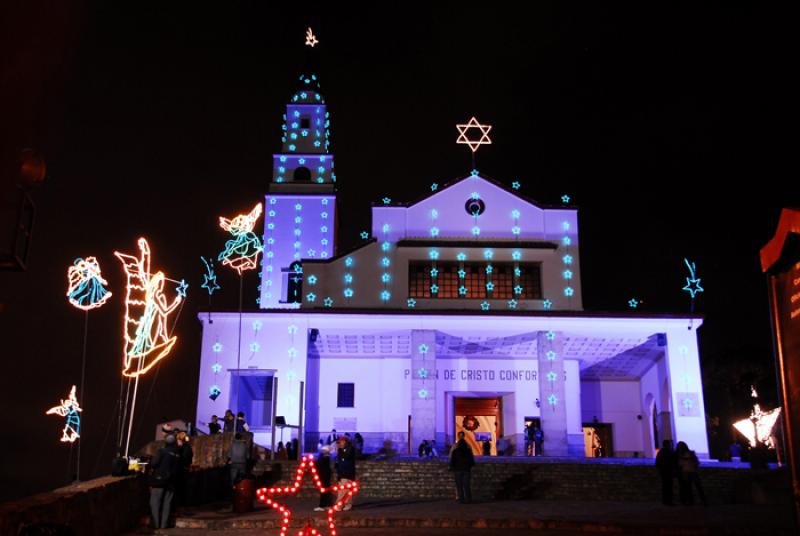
(69, 408)
(241, 253)
(147, 339)
(86, 287)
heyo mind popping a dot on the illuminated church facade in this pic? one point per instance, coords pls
(460, 311)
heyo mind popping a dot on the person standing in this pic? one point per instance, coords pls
(461, 463)
(213, 426)
(688, 476)
(182, 488)
(528, 439)
(666, 464)
(162, 481)
(241, 424)
(228, 421)
(345, 468)
(333, 437)
(359, 445)
(538, 439)
(325, 474)
(238, 456)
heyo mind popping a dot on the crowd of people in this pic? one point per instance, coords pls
(337, 455)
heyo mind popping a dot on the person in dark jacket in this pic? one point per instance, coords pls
(241, 423)
(666, 466)
(345, 467)
(182, 490)
(162, 482)
(238, 456)
(461, 463)
(325, 473)
(228, 421)
(214, 426)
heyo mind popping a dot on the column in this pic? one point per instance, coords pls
(423, 386)
(552, 392)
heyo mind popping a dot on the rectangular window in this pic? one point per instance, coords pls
(475, 280)
(305, 122)
(346, 395)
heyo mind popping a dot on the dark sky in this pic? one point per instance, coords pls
(666, 127)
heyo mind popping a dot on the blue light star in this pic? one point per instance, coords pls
(565, 199)
(512, 303)
(216, 367)
(411, 302)
(490, 286)
(474, 172)
(434, 289)
(518, 290)
(328, 301)
(423, 348)
(311, 297)
(364, 235)
(348, 293)
(385, 295)
(434, 272)
(461, 273)
(633, 303)
(485, 306)
(551, 355)
(551, 335)
(552, 376)
(515, 185)
(386, 200)
(423, 393)
(312, 280)
(434, 187)
(568, 292)
(254, 347)
(217, 347)
(552, 400)
(422, 373)
(181, 288)
(547, 304)
(462, 290)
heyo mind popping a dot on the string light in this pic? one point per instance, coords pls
(692, 282)
(565, 199)
(86, 286)
(328, 301)
(472, 143)
(146, 313)
(311, 39)
(209, 278)
(266, 495)
(512, 303)
(242, 253)
(633, 303)
(70, 409)
(515, 185)
(434, 187)
(485, 306)
(411, 303)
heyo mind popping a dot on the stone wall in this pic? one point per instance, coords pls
(100, 507)
(546, 481)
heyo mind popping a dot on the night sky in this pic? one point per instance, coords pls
(666, 128)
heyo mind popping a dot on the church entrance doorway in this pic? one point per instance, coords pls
(481, 421)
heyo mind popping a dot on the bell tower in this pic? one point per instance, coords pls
(300, 206)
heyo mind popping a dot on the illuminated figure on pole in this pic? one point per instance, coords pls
(241, 253)
(86, 289)
(146, 313)
(69, 408)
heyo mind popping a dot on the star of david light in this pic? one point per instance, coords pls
(265, 495)
(693, 282)
(311, 39)
(473, 143)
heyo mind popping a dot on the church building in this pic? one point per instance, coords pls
(460, 311)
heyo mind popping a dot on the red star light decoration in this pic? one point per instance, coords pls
(265, 495)
(473, 144)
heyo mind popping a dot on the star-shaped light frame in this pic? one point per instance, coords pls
(265, 495)
(472, 143)
(311, 39)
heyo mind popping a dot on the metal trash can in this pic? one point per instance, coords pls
(244, 493)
